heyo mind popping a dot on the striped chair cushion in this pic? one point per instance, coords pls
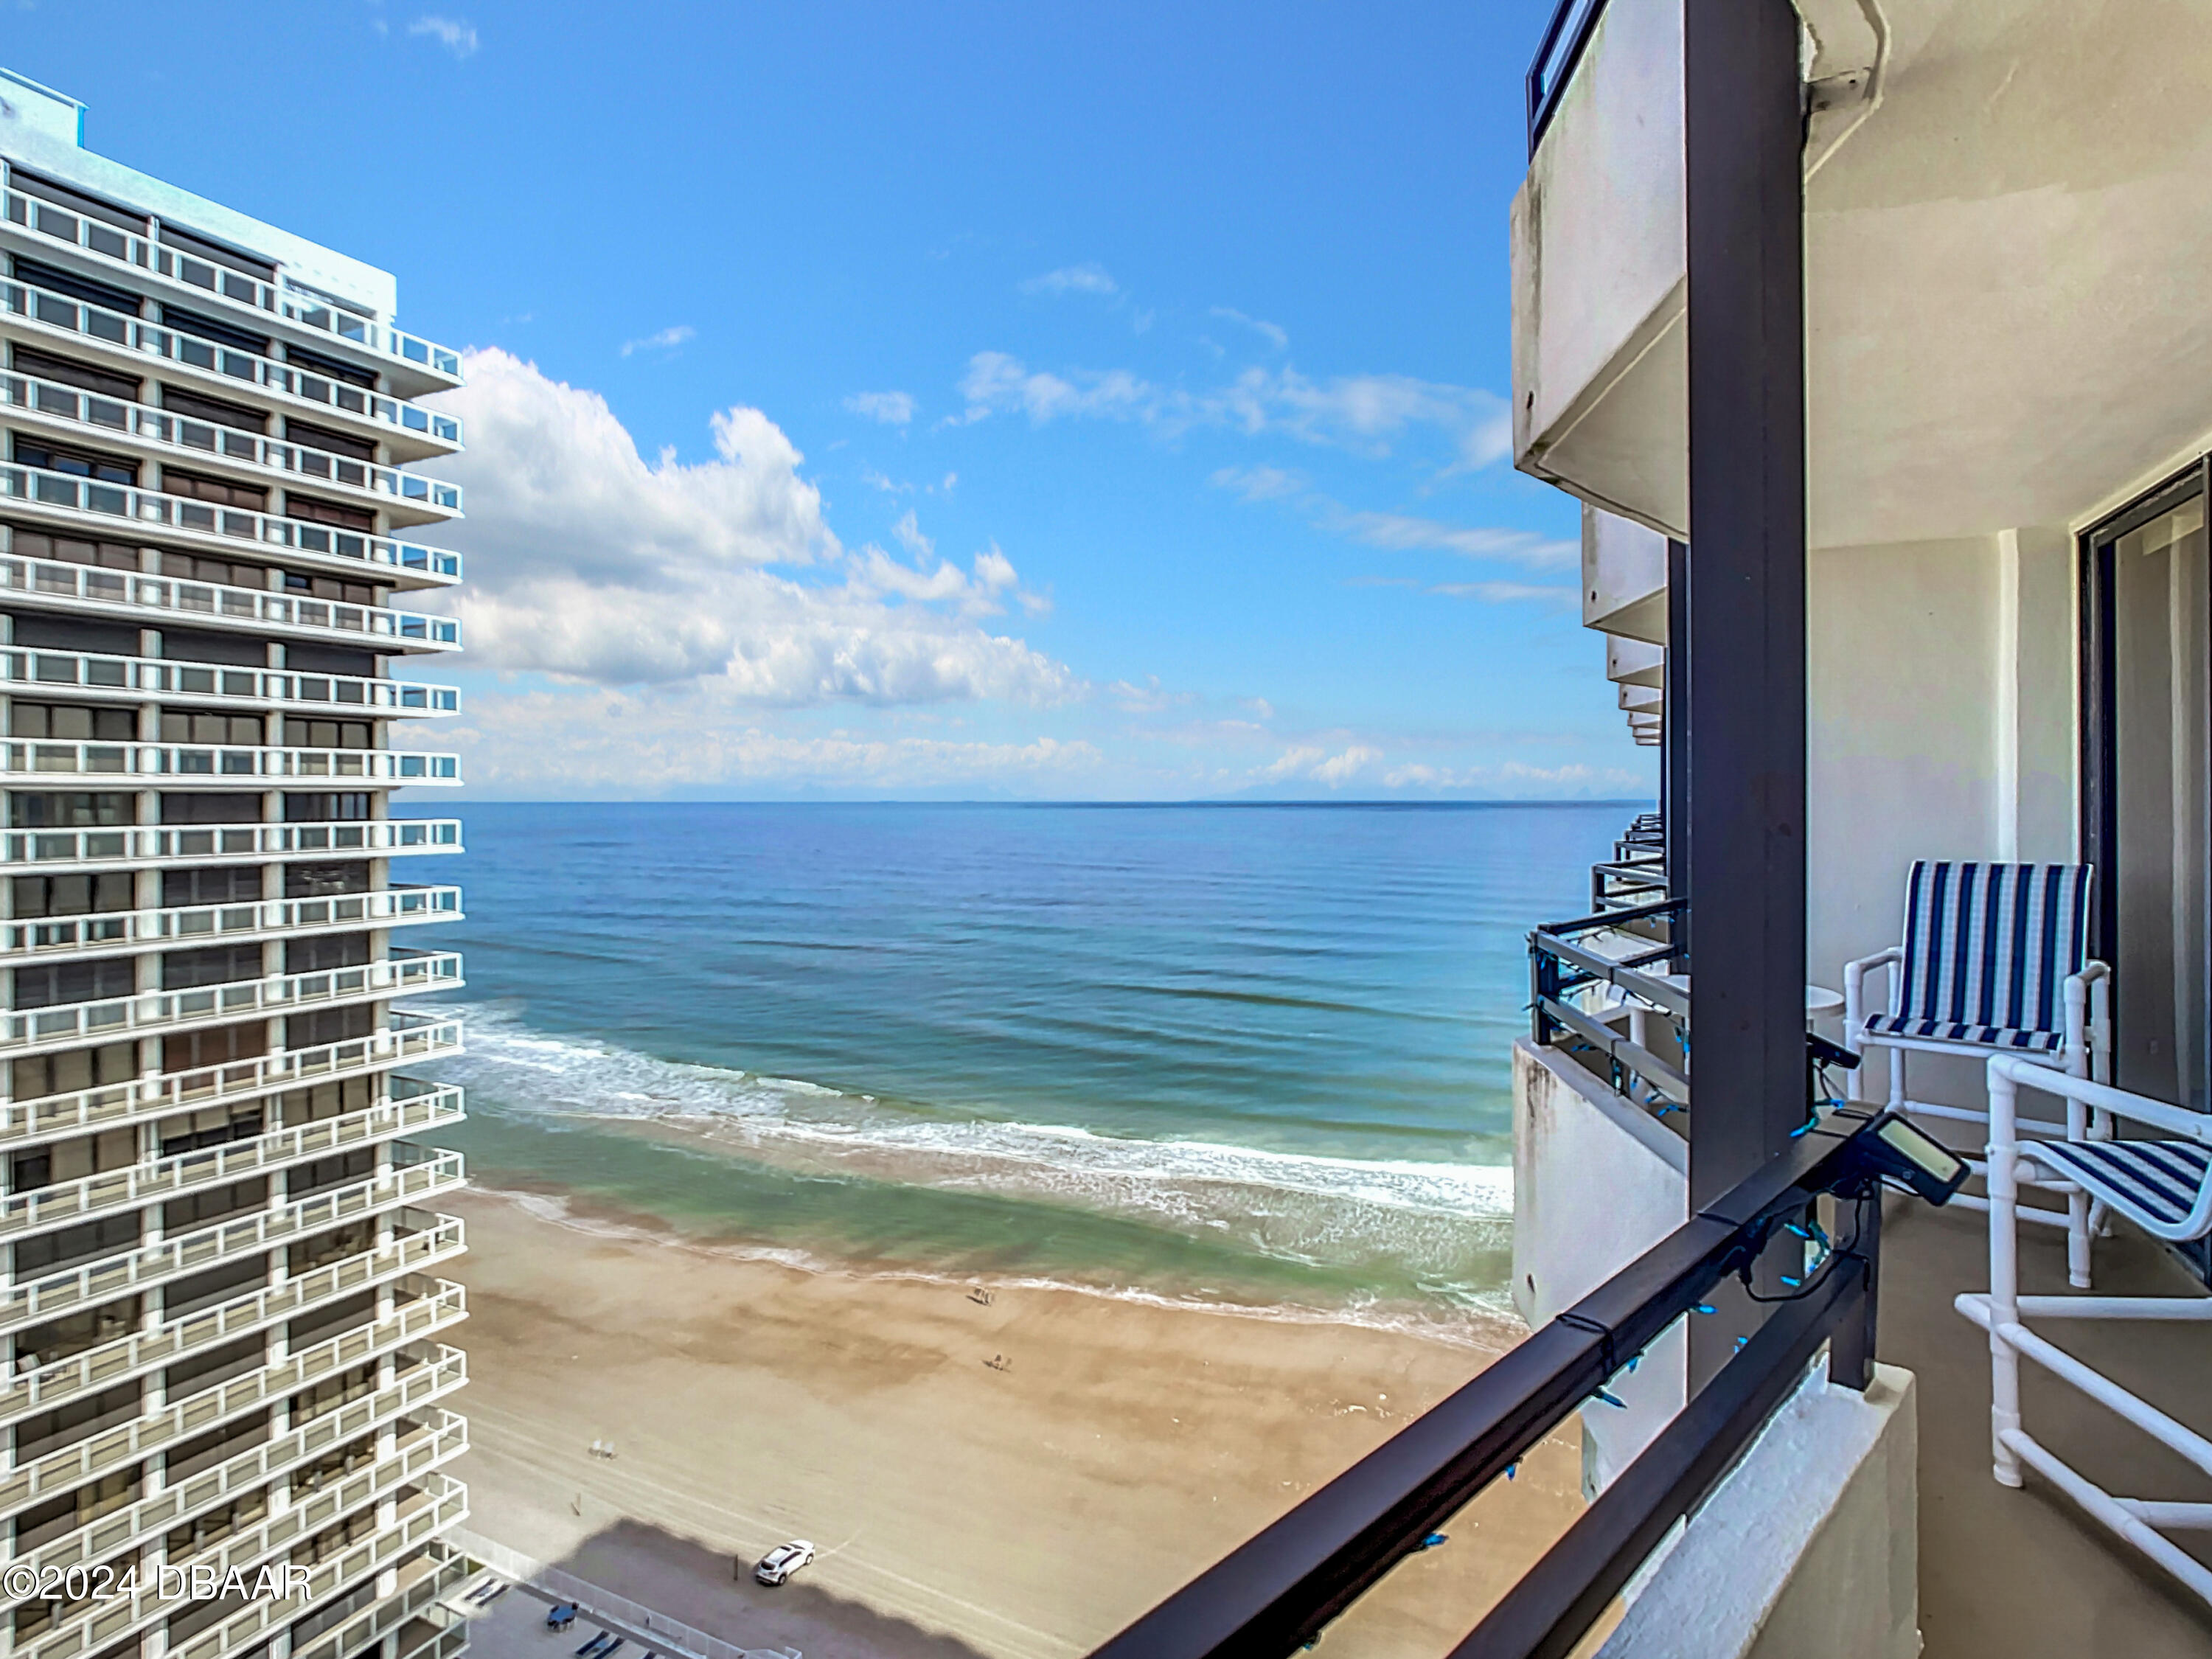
(1982, 1037)
(1988, 948)
(2155, 1182)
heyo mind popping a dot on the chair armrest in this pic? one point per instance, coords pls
(2176, 1121)
(1855, 990)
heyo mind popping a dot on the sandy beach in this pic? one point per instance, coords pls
(1015, 1476)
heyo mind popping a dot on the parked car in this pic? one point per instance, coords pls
(780, 1562)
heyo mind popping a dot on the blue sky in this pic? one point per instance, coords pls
(1026, 400)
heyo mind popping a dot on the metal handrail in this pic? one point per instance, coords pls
(1565, 39)
(181, 844)
(1275, 1593)
(1559, 968)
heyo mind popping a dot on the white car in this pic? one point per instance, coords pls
(780, 1562)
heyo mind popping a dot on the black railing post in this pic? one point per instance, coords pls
(1851, 1352)
(1675, 725)
(1743, 142)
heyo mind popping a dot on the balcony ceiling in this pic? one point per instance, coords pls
(2007, 261)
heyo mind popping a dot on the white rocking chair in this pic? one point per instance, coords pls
(2163, 1186)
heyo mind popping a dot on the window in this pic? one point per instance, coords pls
(213, 411)
(72, 549)
(71, 1244)
(210, 726)
(228, 572)
(73, 1070)
(335, 368)
(196, 1051)
(57, 281)
(321, 437)
(231, 650)
(71, 722)
(328, 1025)
(61, 195)
(216, 490)
(318, 512)
(221, 883)
(78, 463)
(179, 1135)
(330, 587)
(221, 254)
(208, 328)
(73, 896)
(331, 660)
(323, 880)
(302, 733)
(75, 810)
(315, 955)
(349, 807)
(211, 809)
(28, 360)
(58, 984)
(69, 634)
(217, 964)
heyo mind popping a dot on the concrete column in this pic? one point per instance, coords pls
(2038, 817)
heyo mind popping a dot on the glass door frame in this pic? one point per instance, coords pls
(2095, 549)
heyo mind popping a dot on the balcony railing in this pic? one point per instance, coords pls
(1565, 39)
(183, 518)
(446, 1505)
(58, 311)
(113, 591)
(111, 1362)
(1584, 975)
(235, 287)
(137, 1184)
(410, 1038)
(117, 930)
(369, 1626)
(438, 1306)
(170, 844)
(97, 1624)
(190, 437)
(154, 1264)
(127, 677)
(103, 1540)
(1277, 1592)
(41, 762)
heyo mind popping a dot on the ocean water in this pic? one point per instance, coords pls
(1252, 1055)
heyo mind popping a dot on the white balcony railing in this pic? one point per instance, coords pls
(414, 1600)
(239, 288)
(413, 1394)
(284, 461)
(440, 1305)
(394, 906)
(410, 1040)
(59, 313)
(138, 1184)
(177, 844)
(96, 1624)
(183, 518)
(101, 1367)
(153, 1264)
(113, 591)
(41, 761)
(152, 1013)
(127, 677)
(444, 1506)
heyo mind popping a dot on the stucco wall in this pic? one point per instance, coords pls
(1596, 1182)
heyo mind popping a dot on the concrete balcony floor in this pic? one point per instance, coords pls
(2026, 1573)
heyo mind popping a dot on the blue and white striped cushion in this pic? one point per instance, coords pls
(1982, 1037)
(2152, 1181)
(1988, 947)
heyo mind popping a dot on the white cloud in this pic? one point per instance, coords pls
(1519, 778)
(1317, 764)
(1273, 333)
(1089, 278)
(587, 563)
(565, 743)
(1259, 483)
(891, 408)
(456, 35)
(666, 340)
(1364, 413)
(1399, 530)
(908, 532)
(1507, 592)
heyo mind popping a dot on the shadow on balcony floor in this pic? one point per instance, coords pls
(2024, 1573)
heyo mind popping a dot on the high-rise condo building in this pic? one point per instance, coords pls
(224, 1321)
